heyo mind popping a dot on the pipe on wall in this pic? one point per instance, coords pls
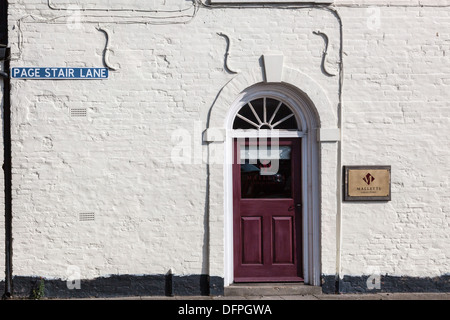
(7, 175)
(7, 147)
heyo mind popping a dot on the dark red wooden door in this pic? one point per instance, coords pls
(267, 212)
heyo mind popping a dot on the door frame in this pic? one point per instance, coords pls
(310, 167)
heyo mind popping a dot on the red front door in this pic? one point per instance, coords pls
(267, 212)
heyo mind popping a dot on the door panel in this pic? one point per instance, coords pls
(283, 251)
(252, 240)
(267, 215)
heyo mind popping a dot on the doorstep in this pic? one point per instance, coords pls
(270, 289)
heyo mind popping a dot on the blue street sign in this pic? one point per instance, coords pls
(59, 73)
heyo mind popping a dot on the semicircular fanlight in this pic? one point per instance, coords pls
(265, 113)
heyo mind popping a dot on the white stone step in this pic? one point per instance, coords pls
(270, 289)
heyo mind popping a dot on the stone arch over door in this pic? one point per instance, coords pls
(321, 121)
(296, 79)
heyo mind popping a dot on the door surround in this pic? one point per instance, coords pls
(308, 120)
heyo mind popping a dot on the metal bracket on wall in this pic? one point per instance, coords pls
(107, 50)
(227, 53)
(325, 53)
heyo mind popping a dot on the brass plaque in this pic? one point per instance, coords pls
(368, 183)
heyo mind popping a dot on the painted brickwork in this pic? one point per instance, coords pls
(396, 112)
(152, 214)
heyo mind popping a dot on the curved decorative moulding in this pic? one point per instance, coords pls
(107, 50)
(227, 53)
(325, 53)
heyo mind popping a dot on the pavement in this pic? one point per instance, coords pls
(280, 292)
(364, 296)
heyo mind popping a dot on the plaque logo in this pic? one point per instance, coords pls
(368, 179)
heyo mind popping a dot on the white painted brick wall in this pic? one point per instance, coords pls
(149, 212)
(397, 113)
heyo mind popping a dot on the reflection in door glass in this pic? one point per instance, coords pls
(266, 174)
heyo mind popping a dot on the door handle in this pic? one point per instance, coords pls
(292, 208)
